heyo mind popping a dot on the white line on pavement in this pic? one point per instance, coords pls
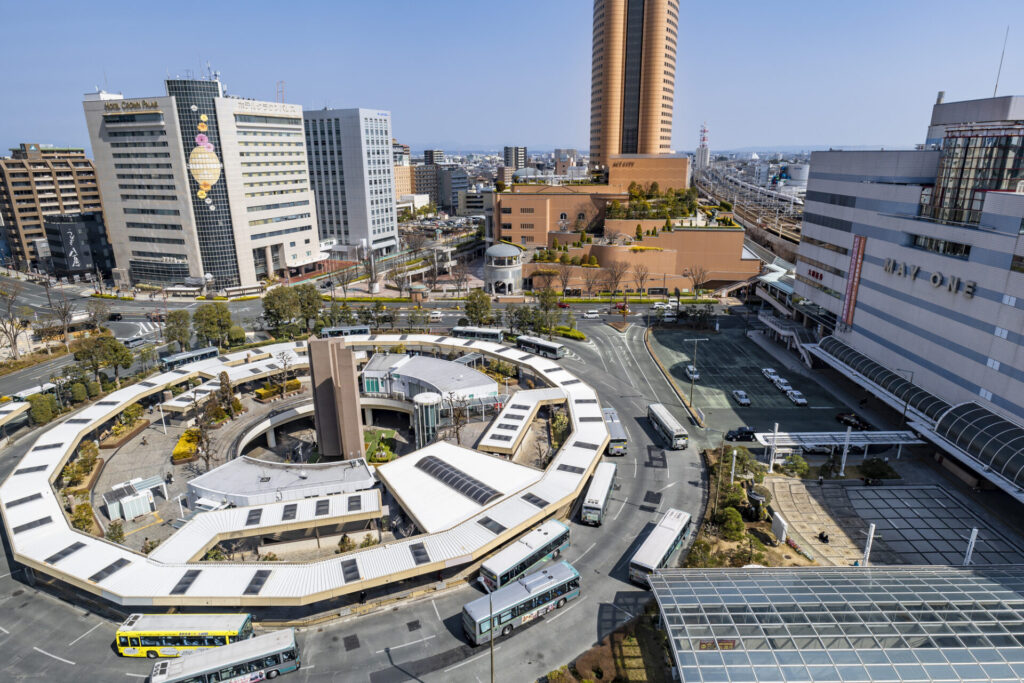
(620, 509)
(5, 575)
(436, 612)
(66, 661)
(580, 556)
(634, 466)
(85, 634)
(395, 647)
(566, 610)
(666, 487)
(5, 630)
(145, 676)
(471, 659)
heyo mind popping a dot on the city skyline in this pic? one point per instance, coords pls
(890, 79)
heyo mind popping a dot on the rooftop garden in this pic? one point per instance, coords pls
(651, 202)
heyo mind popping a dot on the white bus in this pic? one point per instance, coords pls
(520, 602)
(670, 429)
(542, 347)
(22, 396)
(486, 333)
(618, 440)
(546, 542)
(595, 502)
(255, 659)
(344, 331)
(664, 540)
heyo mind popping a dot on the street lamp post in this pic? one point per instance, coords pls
(694, 374)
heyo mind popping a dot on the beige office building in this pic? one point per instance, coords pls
(38, 181)
(633, 77)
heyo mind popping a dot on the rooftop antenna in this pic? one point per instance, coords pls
(1000, 71)
(280, 91)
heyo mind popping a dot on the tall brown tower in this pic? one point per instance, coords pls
(633, 77)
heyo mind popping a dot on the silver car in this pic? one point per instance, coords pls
(782, 384)
(796, 397)
(741, 397)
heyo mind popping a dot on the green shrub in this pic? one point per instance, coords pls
(795, 466)
(569, 333)
(236, 335)
(40, 412)
(81, 519)
(876, 468)
(78, 392)
(94, 389)
(115, 532)
(731, 524)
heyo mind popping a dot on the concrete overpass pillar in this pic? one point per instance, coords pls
(271, 438)
(368, 416)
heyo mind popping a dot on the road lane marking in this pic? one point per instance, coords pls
(5, 630)
(570, 607)
(436, 612)
(66, 661)
(85, 634)
(145, 676)
(580, 557)
(666, 487)
(395, 647)
(471, 659)
(620, 509)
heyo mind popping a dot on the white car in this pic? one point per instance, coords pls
(592, 315)
(670, 318)
(658, 305)
(769, 373)
(435, 316)
(692, 374)
(796, 397)
(741, 397)
(782, 384)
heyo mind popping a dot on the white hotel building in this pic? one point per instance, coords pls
(913, 264)
(201, 184)
(351, 167)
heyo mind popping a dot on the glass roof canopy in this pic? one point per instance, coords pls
(845, 623)
(924, 402)
(994, 441)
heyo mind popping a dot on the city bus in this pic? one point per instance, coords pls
(176, 360)
(541, 347)
(344, 331)
(664, 540)
(255, 659)
(486, 333)
(544, 543)
(618, 439)
(520, 602)
(22, 396)
(170, 635)
(670, 429)
(598, 494)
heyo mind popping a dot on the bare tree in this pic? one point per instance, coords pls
(49, 329)
(542, 278)
(99, 312)
(615, 272)
(611, 234)
(592, 277)
(699, 277)
(398, 275)
(641, 274)
(12, 313)
(63, 311)
(564, 275)
(343, 278)
(202, 426)
(415, 242)
(284, 359)
(433, 274)
(458, 406)
(460, 274)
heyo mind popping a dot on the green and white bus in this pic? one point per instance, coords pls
(595, 502)
(546, 542)
(657, 548)
(253, 659)
(520, 602)
(670, 429)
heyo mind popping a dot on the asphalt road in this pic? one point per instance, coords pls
(47, 639)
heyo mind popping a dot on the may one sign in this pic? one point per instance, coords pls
(952, 283)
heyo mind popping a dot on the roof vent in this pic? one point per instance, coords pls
(303, 474)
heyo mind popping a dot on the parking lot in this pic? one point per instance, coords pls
(728, 361)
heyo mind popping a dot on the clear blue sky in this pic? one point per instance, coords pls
(477, 75)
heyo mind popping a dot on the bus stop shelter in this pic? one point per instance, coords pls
(833, 440)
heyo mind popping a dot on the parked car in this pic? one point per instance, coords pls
(692, 374)
(592, 315)
(562, 304)
(670, 318)
(817, 449)
(796, 397)
(852, 420)
(741, 397)
(115, 316)
(658, 305)
(740, 434)
(157, 317)
(782, 384)
(769, 373)
(621, 306)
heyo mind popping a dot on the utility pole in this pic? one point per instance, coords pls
(732, 475)
(846, 451)
(694, 364)
(490, 606)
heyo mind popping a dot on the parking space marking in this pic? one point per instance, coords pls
(471, 659)
(396, 647)
(66, 661)
(620, 510)
(85, 634)
(580, 556)
(666, 487)
(436, 612)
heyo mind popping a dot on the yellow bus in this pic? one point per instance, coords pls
(171, 635)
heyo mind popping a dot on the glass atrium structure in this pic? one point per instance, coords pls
(845, 623)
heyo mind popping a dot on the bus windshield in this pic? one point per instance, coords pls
(595, 503)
